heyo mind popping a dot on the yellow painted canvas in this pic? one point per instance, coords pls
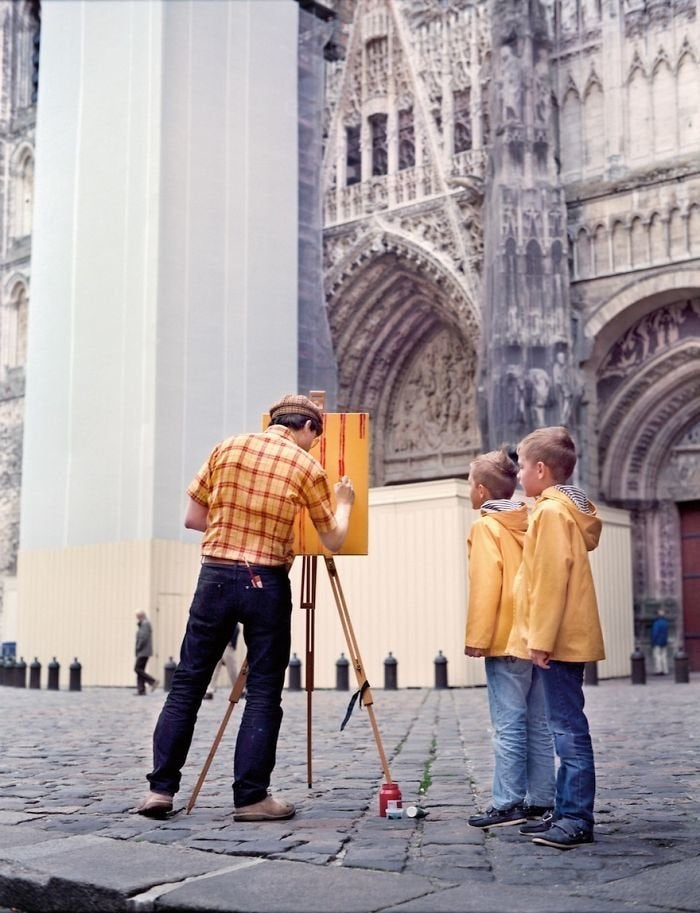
(342, 450)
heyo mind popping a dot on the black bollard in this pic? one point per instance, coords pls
(639, 676)
(74, 675)
(342, 673)
(390, 672)
(440, 670)
(54, 667)
(21, 674)
(681, 665)
(168, 672)
(294, 673)
(590, 673)
(10, 671)
(35, 674)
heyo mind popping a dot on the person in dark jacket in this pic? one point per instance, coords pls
(143, 651)
(659, 643)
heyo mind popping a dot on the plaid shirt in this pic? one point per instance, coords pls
(253, 486)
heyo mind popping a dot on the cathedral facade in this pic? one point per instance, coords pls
(19, 39)
(512, 239)
(510, 198)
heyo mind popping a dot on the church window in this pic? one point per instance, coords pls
(657, 239)
(570, 132)
(407, 140)
(694, 230)
(601, 251)
(688, 117)
(463, 121)
(663, 92)
(594, 130)
(14, 329)
(353, 156)
(620, 247)
(24, 196)
(639, 125)
(677, 235)
(638, 239)
(378, 134)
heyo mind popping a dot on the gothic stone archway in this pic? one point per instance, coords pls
(648, 391)
(406, 338)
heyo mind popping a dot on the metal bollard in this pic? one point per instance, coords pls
(342, 673)
(168, 672)
(294, 673)
(10, 671)
(21, 674)
(35, 674)
(590, 673)
(639, 676)
(440, 670)
(74, 675)
(681, 665)
(54, 667)
(390, 673)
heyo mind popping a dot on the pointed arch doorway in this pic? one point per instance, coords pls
(647, 364)
(406, 340)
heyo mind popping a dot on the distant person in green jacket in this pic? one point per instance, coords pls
(143, 650)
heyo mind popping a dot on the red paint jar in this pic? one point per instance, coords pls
(388, 792)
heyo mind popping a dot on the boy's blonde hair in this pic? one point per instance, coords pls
(552, 446)
(495, 471)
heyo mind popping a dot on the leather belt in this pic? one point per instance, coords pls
(207, 559)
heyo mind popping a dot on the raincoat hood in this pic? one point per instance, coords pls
(588, 521)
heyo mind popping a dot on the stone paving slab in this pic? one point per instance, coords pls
(74, 764)
(92, 873)
(288, 887)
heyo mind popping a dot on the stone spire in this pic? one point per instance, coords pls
(527, 350)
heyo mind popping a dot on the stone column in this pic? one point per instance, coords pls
(528, 346)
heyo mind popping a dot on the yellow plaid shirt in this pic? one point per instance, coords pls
(253, 486)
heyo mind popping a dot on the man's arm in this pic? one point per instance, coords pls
(344, 498)
(196, 515)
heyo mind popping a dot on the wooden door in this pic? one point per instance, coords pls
(690, 571)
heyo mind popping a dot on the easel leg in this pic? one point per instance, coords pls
(309, 568)
(233, 698)
(354, 652)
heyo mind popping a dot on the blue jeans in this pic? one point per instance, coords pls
(563, 691)
(524, 755)
(224, 596)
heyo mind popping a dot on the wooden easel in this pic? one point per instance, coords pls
(308, 603)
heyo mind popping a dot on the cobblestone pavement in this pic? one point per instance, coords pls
(74, 763)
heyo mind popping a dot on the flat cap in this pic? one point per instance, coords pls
(296, 405)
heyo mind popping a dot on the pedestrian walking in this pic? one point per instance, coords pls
(143, 651)
(659, 643)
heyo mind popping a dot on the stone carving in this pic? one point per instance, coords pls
(653, 334)
(539, 386)
(563, 387)
(434, 409)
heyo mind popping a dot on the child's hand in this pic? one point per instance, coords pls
(540, 658)
(474, 651)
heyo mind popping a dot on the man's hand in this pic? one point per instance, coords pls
(474, 651)
(540, 658)
(344, 492)
(344, 498)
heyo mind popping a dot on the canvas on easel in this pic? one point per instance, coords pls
(342, 451)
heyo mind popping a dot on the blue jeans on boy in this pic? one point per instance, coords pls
(524, 754)
(224, 596)
(563, 690)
